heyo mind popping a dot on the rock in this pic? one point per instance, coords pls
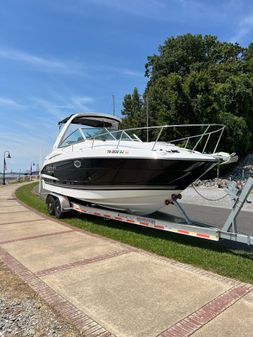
(26, 318)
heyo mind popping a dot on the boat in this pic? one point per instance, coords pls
(96, 162)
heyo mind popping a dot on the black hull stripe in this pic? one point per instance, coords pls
(123, 173)
(110, 188)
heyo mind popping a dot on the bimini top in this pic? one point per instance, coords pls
(93, 119)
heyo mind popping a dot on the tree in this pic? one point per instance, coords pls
(236, 133)
(190, 52)
(198, 79)
(132, 110)
(199, 88)
(235, 95)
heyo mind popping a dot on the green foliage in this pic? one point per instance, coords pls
(198, 79)
(132, 109)
(188, 52)
(199, 88)
(236, 133)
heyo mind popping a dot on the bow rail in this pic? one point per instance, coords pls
(205, 137)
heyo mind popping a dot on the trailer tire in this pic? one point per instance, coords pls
(58, 209)
(51, 205)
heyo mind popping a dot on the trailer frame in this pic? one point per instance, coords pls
(187, 227)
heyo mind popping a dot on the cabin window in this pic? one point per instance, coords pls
(73, 138)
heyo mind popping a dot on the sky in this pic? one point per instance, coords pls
(58, 57)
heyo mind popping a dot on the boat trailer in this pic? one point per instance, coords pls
(59, 204)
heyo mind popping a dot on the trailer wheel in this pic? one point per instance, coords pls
(51, 205)
(58, 209)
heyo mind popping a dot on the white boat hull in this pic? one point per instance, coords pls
(142, 202)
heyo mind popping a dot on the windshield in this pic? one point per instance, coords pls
(98, 133)
(91, 133)
(105, 134)
(73, 138)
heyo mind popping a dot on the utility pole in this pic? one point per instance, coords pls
(147, 116)
(113, 105)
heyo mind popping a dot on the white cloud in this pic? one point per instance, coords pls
(81, 102)
(130, 72)
(176, 11)
(161, 10)
(58, 66)
(23, 150)
(41, 62)
(155, 9)
(27, 137)
(144, 8)
(62, 106)
(10, 103)
(10, 138)
(52, 108)
(244, 28)
(113, 70)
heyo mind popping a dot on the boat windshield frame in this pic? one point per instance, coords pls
(105, 135)
(118, 136)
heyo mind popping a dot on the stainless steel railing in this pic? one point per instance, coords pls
(208, 132)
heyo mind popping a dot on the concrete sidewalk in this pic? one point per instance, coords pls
(107, 289)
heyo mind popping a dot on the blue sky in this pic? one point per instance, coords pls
(62, 56)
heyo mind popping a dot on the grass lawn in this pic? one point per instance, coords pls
(212, 256)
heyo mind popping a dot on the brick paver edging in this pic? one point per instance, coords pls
(83, 262)
(83, 322)
(196, 320)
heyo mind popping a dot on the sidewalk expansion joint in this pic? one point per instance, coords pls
(13, 212)
(69, 311)
(36, 236)
(83, 262)
(196, 320)
(22, 221)
(13, 205)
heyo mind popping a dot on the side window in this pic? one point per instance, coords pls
(97, 133)
(74, 137)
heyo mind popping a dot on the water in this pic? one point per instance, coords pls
(10, 177)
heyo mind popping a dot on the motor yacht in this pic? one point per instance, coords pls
(94, 161)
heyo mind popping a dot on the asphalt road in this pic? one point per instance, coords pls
(214, 216)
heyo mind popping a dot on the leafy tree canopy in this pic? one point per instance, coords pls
(198, 79)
